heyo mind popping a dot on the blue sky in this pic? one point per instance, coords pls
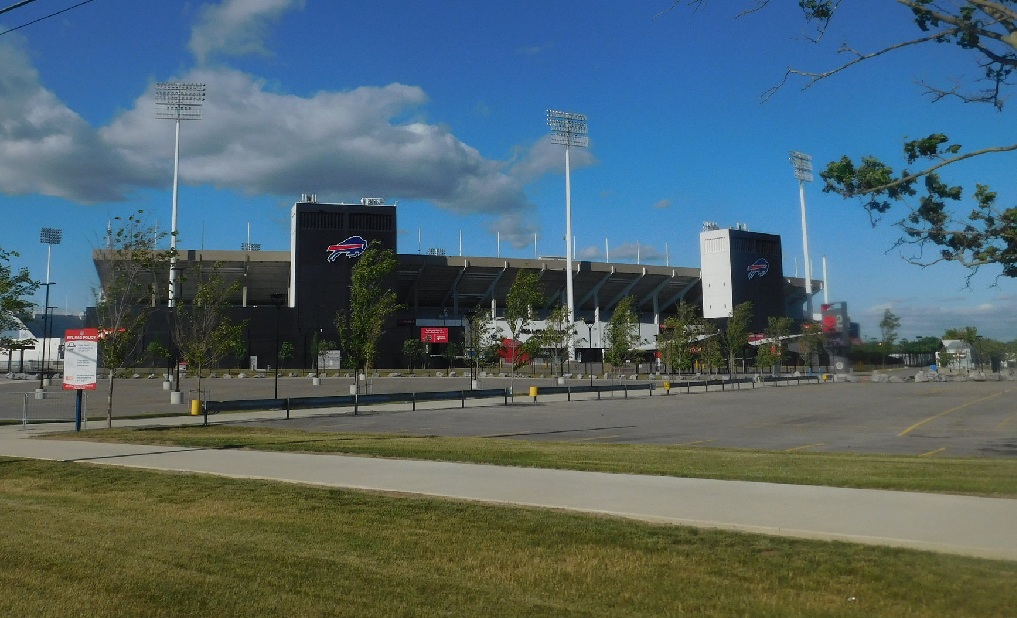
(440, 106)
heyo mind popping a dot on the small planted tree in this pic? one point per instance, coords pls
(736, 333)
(555, 338)
(621, 337)
(372, 302)
(413, 350)
(677, 336)
(202, 331)
(771, 351)
(522, 297)
(481, 338)
(124, 304)
(15, 288)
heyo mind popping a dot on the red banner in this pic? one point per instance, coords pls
(436, 334)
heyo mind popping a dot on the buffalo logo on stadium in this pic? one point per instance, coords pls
(759, 268)
(351, 247)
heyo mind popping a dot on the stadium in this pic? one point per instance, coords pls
(294, 295)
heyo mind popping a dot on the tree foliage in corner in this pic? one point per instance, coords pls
(122, 307)
(15, 288)
(372, 302)
(621, 337)
(981, 233)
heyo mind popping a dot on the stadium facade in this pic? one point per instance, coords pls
(294, 296)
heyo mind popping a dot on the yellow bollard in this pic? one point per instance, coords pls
(667, 388)
(195, 407)
(533, 393)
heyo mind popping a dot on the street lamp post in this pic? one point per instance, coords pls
(177, 101)
(568, 129)
(589, 346)
(49, 236)
(802, 164)
(277, 300)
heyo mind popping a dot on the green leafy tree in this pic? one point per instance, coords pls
(15, 288)
(711, 354)
(557, 334)
(413, 350)
(933, 216)
(889, 328)
(621, 337)
(286, 352)
(810, 342)
(481, 338)
(523, 296)
(122, 307)
(677, 337)
(202, 331)
(736, 333)
(372, 302)
(320, 345)
(771, 352)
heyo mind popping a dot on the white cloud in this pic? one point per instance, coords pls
(662, 204)
(544, 157)
(236, 27)
(932, 317)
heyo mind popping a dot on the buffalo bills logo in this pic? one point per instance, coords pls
(759, 268)
(351, 247)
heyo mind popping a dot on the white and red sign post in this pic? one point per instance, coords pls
(81, 361)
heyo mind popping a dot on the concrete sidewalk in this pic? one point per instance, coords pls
(964, 525)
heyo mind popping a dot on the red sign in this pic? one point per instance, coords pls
(437, 334)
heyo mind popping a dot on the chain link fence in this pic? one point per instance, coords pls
(28, 408)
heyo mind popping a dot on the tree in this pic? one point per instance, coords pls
(555, 337)
(481, 338)
(736, 333)
(771, 352)
(319, 346)
(413, 349)
(372, 302)
(202, 331)
(124, 304)
(986, 32)
(677, 336)
(889, 328)
(15, 288)
(810, 342)
(522, 297)
(711, 356)
(286, 352)
(621, 337)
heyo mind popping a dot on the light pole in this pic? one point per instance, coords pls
(277, 300)
(802, 164)
(589, 346)
(49, 236)
(568, 129)
(177, 101)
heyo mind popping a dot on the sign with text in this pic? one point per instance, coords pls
(81, 359)
(435, 334)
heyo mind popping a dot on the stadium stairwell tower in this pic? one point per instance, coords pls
(739, 265)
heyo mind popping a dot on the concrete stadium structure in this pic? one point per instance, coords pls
(298, 292)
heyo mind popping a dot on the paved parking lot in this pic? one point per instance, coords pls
(927, 419)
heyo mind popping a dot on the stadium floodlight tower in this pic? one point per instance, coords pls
(568, 129)
(49, 236)
(177, 101)
(802, 164)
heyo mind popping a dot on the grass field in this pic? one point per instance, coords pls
(976, 476)
(92, 540)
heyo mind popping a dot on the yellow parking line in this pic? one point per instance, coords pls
(960, 407)
(930, 453)
(1005, 421)
(695, 442)
(798, 448)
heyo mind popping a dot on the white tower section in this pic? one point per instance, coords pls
(715, 262)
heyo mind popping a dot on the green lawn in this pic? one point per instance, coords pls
(81, 539)
(977, 476)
